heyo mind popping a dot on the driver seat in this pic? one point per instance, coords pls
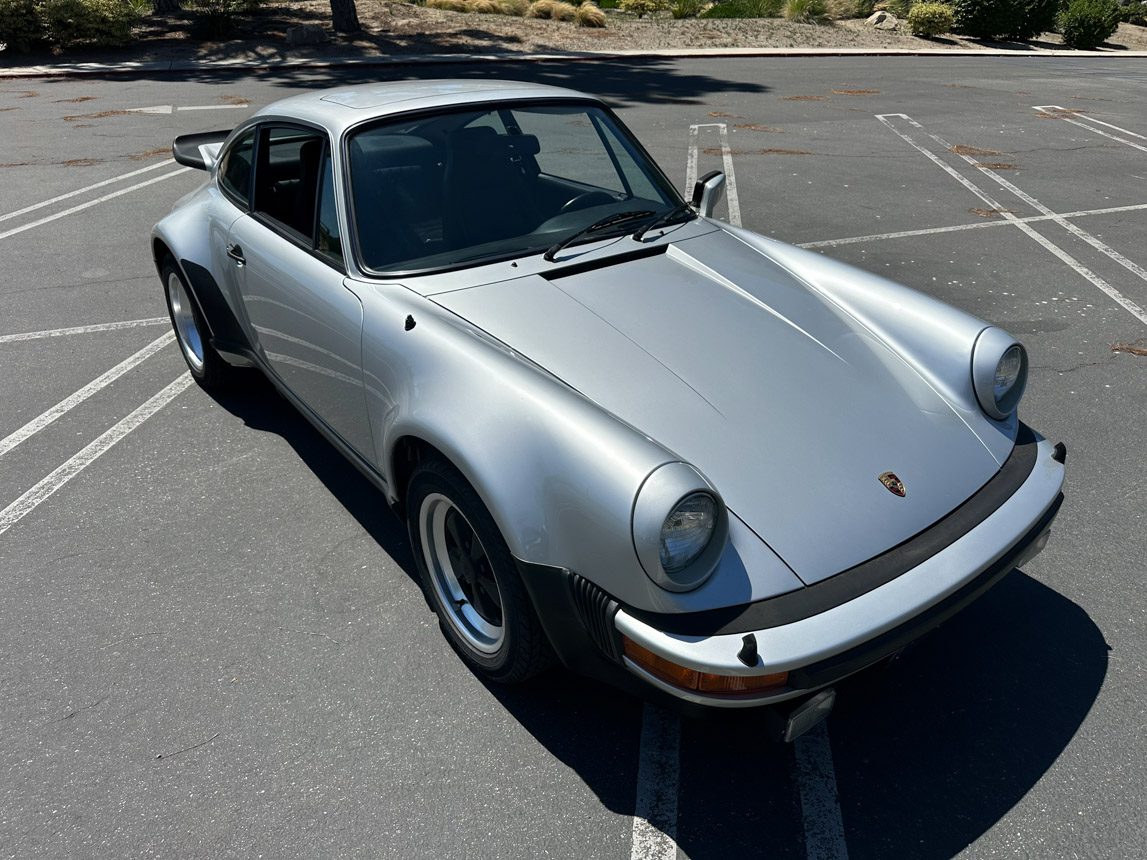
(489, 195)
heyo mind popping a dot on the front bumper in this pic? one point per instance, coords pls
(832, 642)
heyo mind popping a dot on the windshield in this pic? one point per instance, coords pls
(433, 192)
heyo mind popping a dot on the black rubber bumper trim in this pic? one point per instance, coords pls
(848, 662)
(866, 576)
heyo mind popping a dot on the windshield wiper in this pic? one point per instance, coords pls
(664, 218)
(608, 221)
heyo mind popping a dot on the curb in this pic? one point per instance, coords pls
(173, 66)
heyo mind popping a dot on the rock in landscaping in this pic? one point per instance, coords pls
(882, 21)
(307, 34)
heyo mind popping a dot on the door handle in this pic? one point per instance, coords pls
(236, 254)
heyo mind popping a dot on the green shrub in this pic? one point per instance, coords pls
(21, 29)
(988, 19)
(686, 8)
(745, 9)
(930, 19)
(1087, 24)
(641, 8)
(1134, 13)
(104, 23)
(514, 8)
(806, 11)
(1038, 16)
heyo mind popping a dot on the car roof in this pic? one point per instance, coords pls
(344, 106)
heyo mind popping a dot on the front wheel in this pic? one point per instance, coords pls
(470, 578)
(191, 332)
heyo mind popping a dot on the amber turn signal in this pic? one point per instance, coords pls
(704, 682)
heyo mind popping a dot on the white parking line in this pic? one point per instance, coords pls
(92, 203)
(691, 160)
(75, 399)
(731, 194)
(955, 228)
(1098, 244)
(1090, 118)
(85, 189)
(82, 329)
(658, 774)
(820, 804)
(1082, 270)
(170, 108)
(1085, 122)
(30, 500)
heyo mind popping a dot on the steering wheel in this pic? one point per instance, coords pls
(589, 198)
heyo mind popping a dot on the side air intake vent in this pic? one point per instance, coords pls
(596, 609)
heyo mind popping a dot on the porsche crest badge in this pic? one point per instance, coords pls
(893, 484)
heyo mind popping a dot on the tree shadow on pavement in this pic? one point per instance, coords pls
(633, 80)
(627, 81)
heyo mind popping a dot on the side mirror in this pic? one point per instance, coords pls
(707, 193)
(198, 150)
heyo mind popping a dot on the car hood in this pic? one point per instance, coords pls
(790, 407)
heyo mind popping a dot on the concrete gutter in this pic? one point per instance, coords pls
(291, 63)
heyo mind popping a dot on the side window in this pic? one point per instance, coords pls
(235, 171)
(328, 242)
(287, 177)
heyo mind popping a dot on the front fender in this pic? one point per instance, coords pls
(558, 474)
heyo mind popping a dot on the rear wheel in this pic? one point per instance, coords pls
(191, 332)
(470, 578)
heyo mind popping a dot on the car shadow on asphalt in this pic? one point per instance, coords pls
(966, 723)
(260, 407)
(930, 751)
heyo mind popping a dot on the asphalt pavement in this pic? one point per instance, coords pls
(211, 643)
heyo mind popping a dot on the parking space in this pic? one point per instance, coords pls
(211, 642)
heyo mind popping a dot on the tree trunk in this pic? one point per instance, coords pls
(165, 7)
(345, 16)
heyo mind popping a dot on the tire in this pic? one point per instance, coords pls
(191, 332)
(470, 579)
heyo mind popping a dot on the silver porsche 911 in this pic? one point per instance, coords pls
(664, 451)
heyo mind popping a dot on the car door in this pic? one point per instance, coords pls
(287, 256)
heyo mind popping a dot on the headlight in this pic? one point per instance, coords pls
(999, 372)
(679, 527)
(687, 531)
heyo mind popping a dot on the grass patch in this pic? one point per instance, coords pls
(745, 9)
(589, 15)
(806, 11)
(554, 10)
